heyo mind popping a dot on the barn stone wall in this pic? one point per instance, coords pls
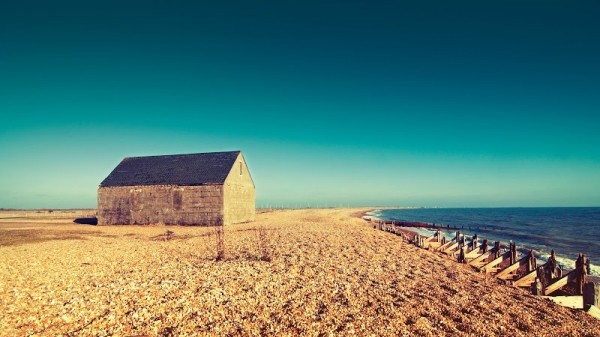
(160, 204)
(239, 194)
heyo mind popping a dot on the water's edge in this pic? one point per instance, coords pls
(566, 230)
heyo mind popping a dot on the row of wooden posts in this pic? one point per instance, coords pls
(544, 279)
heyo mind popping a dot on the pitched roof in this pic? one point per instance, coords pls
(179, 169)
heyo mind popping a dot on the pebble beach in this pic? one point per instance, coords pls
(312, 272)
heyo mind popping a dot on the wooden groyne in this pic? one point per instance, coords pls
(414, 224)
(544, 279)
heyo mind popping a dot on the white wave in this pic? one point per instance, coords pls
(594, 270)
(375, 214)
(567, 264)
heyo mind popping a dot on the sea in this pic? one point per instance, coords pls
(567, 230)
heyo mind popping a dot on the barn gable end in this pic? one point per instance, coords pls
(175, 190)
(238, 193)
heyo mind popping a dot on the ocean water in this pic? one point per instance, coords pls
(568, 230)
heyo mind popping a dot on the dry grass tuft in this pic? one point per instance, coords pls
(264, 245)
(219, 242)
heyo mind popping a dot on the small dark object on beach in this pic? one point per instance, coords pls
(86, 221)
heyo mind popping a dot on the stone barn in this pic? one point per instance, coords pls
(186, 189)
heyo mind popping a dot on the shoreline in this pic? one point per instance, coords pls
(364, 215)
(566, 256)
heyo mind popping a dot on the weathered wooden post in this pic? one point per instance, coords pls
(497, 249)
(474, 242)
(536, 287)
(587, 265)
(542, 278)
(484, 246)
(513, 252)
(554, 270)
(591, 295)
(580, 267)
(461, 255)
(531, 264)
(439, 235)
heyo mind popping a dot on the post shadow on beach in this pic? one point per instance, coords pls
(86, 221)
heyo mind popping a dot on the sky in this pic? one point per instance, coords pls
(333, 103)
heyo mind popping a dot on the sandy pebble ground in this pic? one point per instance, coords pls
(289, 273)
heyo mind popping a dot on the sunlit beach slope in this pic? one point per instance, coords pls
(291, 272)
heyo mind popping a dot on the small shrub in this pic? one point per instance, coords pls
(264, 245)
(220, 241)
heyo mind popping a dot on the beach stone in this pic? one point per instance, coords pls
(591, 294)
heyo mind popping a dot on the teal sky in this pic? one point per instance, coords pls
(420, 103)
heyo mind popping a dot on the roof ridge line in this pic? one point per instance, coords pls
(183, 154)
